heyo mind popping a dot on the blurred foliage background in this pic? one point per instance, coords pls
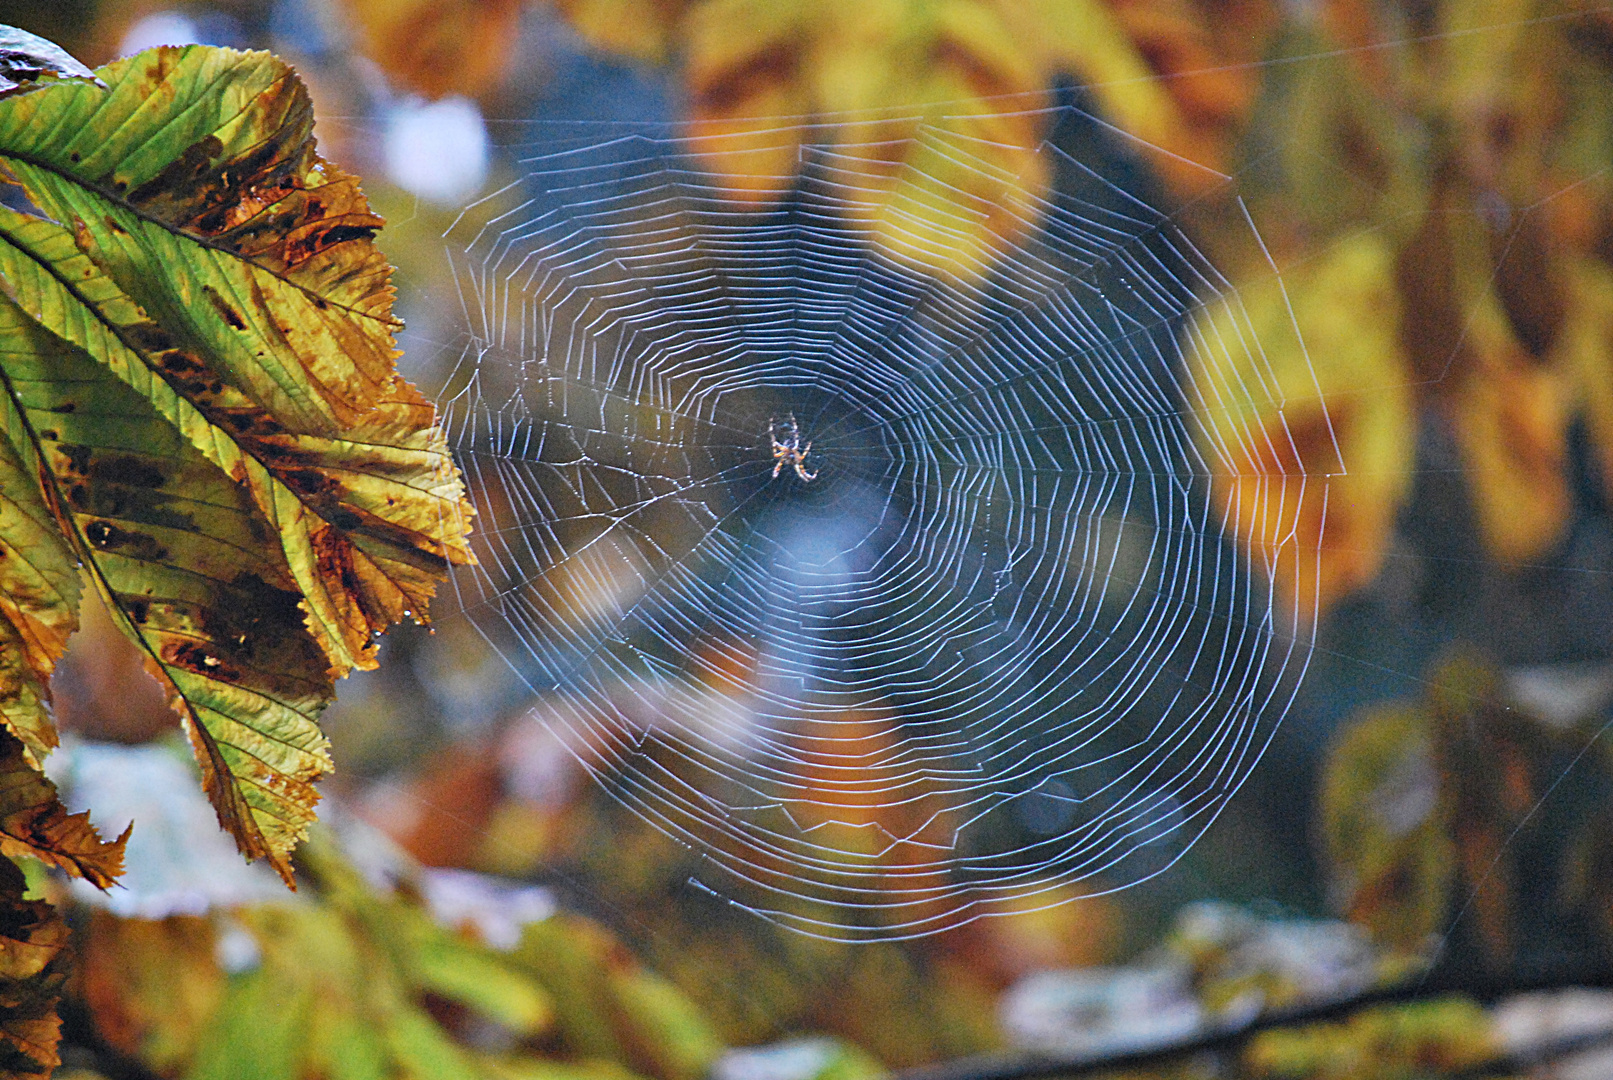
(1434, 179)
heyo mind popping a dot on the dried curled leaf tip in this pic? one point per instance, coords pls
(24, 57)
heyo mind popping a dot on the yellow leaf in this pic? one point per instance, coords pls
(641, 29)
(1308, 438)
(1512, 424)
(1424, 1038)
(1584, 353)
(1159, 73)
(948, 185)
(1385, 821)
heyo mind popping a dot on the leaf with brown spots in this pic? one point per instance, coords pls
(265, 335)
(184, 558)
(39, 589)
(203, 402)
(33, 823)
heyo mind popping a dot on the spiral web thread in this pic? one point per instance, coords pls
(989, 642)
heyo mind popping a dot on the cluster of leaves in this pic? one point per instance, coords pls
(1442, 847)
(1447, 207)
(1433, 183)
(973, 72)
(1228, 993)
(1433, 1038)
(361, 982)
(202, 419)
(905, 1002)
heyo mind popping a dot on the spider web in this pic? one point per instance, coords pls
(895, 593)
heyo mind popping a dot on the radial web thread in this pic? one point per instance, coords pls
(895, 593)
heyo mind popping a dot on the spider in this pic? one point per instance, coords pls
(789, 450)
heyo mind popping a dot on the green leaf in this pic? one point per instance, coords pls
(433, 959)
(349, 975)
(257, 1030)
(609, 1006)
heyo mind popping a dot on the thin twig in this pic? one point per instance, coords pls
(1031, 1066)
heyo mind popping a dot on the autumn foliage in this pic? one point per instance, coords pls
(202, 425)
(202, 416)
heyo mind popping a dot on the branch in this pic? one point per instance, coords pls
(1031, 1066)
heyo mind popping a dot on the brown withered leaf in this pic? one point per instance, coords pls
(150, 985)
(33, 967)
(1509, 409)
(33, 823)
